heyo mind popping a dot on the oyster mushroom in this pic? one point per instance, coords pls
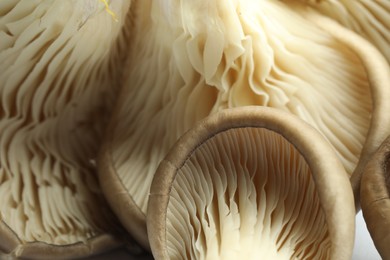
(59, 67)
(251, 183)
(375, 201)
(378, 71)
(194, 58)
(368, 18)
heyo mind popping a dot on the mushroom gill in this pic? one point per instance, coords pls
(194, 58)
(251, 183)
(378, 72)
(375, 198)
(59, 73)
(368, 18)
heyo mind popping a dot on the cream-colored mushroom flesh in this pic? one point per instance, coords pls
(194, 58)
(59, 72)
(378, 71)
(247, 192)
(369, 18)
(375, 199)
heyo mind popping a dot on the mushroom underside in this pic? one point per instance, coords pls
(261, 53)
(245, 193)
(367, 18)
(375, 198)
(59, 79)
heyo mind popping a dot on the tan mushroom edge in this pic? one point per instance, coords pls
(333, 187)
(12, 246)
(123, 205)
(375, 201)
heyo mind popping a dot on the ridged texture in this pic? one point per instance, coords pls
(369, 18)
(194, 58)
(245, 193)
(59, 74)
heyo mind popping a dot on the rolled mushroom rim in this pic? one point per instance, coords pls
(331, 180)
(12, 245)
(374, 185)
(120, 201)
(378, 72)
(375, 199)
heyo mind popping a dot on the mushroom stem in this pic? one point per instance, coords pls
(378, 72)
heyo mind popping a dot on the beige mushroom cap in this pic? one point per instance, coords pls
(58, 63)
(251, 183)
(195, 58)
(378, 71)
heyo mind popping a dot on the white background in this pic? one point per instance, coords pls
(364, 247)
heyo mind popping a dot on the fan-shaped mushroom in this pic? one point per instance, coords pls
(251, 183)
(375, 201)
(219, 54)
(369, 18)
(212, 55)
(58, 76)
(378, 71)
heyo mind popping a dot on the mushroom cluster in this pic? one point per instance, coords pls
(246, 183)
(150, 118)
(58, 79)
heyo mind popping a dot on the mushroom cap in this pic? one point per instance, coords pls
(57, 84)
(367, 18)
(378, 72)
(251, 182)
(375, 200)
(195, 58)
